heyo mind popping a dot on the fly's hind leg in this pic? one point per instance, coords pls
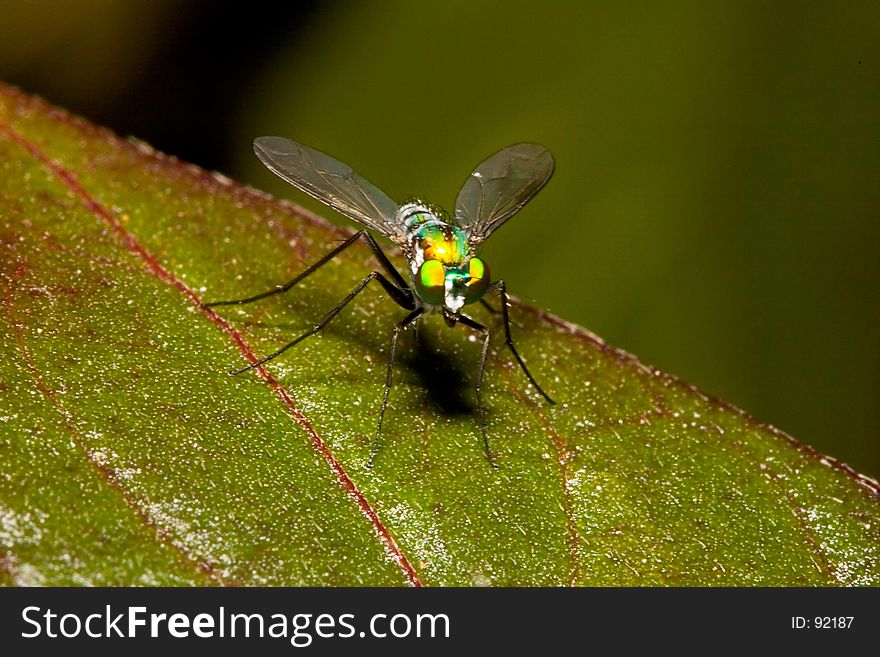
(402, 297)
(488, 306)
(392, 273)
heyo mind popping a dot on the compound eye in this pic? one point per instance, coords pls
(478, 271)
(431, 282)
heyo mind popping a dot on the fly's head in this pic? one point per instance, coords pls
(451, 287)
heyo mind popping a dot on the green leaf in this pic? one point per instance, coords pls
(129, 456)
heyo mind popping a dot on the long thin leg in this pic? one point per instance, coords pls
(401, 326)
(394, 292)
(467, 321)
(280, 289)
(489, 307)
(499, 285)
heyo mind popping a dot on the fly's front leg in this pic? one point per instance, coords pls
(484, 431)
(401, 326)
(502, 289)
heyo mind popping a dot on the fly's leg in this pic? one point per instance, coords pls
(502, 289)
(402, 297)
(395, 276)
(401, 326)
(467, 321)
(489, 307)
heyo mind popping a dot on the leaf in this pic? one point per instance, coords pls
(129, 456)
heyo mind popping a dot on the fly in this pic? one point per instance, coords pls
(445, 273)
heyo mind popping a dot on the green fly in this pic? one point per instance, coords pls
(445, 273)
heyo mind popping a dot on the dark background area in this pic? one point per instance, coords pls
(716, 206)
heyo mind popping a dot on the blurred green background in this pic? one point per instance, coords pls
(716, 205)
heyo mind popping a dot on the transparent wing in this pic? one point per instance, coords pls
(330, 181)
(499, 187)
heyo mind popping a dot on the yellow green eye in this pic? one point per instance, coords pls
(478, 271)
(431, 282)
